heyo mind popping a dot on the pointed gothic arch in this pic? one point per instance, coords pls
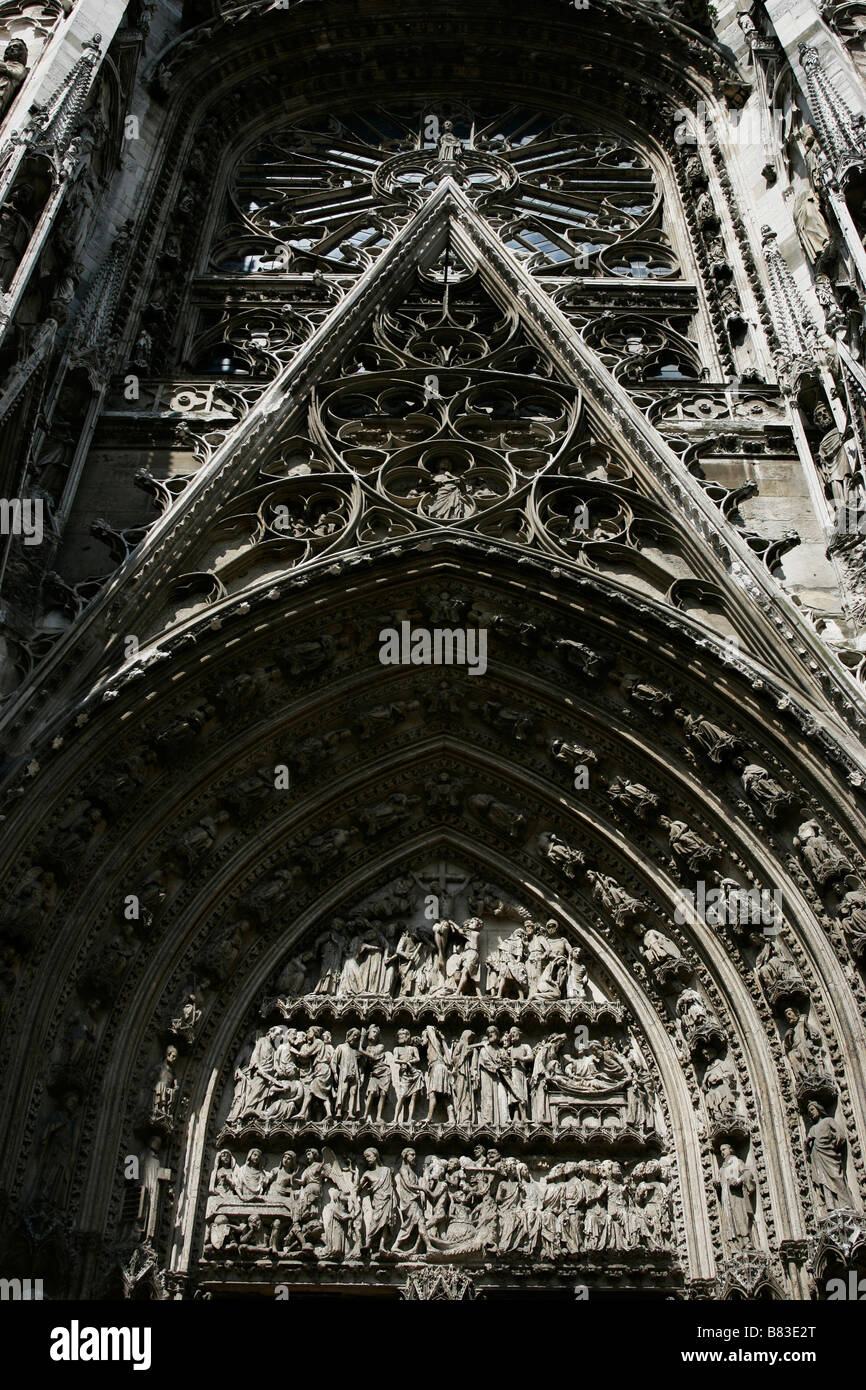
(445, 433)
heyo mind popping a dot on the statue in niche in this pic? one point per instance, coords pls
(618, 904)
(695, 1015)
(79, 1035)
(838, 468)
(736, 1188)
(55, 1147)
(165, 1086)
(449, 148)
(660, 953)
(776, 972)
(803, 1045)
(563, 856)
(721, 1089)
(633, 796)
(824, 861)
(808, 217)
(13, 71)
(827, 1151)
(187, 1019)
(644, 693)
(152, 1176)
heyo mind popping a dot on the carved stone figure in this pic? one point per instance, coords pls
(649, 696)
(633, 796)
(187, 1020)
(696, 854)
(696, 1016)
(376, 1189)
(165, 1087)
(347, 1075)
(837, 467)
(13, 71)
(714, 741)
(449, 148)
(804, 1047)
(721, 1089)
(827, 1150)
(852, 911)
(566, 858)
(736, 1188)
(778, 974)
(55, 1147)
(759, 786)
(663, 956)
(824, 861)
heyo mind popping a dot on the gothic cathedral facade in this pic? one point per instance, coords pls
(433, 647)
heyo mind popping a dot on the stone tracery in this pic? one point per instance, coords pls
(453, 462)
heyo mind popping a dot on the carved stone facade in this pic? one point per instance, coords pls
(432, 683)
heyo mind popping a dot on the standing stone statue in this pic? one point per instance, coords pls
(450, 147)
(827, 1150)
(376, 1190)
(736, 1188)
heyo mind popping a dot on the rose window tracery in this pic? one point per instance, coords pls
(327, 195)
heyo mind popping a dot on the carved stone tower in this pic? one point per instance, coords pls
(434, 585)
